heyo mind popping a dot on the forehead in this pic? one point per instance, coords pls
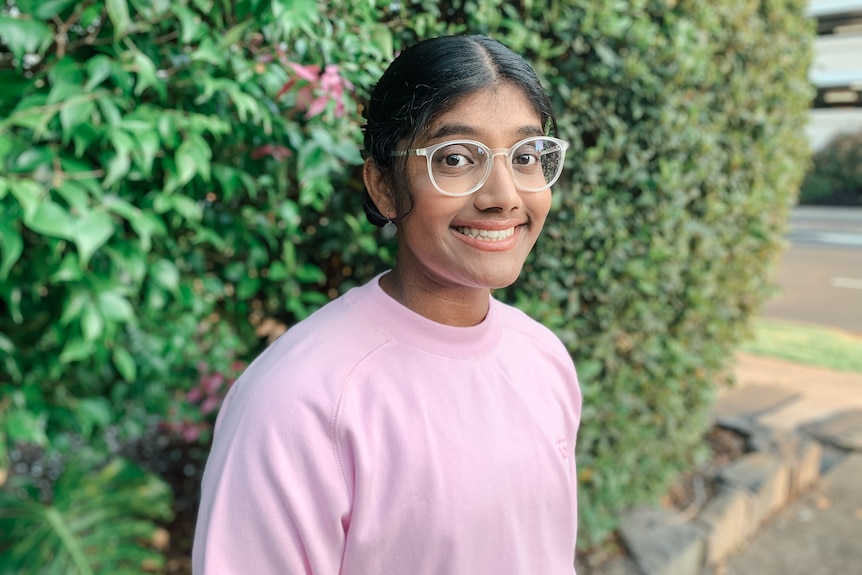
(499, 113)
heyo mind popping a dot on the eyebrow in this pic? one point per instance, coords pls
(447, 130)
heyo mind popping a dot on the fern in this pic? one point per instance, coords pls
(99, 521)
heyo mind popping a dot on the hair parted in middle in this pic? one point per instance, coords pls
(422, 83)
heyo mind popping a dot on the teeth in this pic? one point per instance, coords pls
(486, 235)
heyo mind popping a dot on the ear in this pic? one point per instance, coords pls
(379, 188)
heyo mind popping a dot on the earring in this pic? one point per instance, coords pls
(389, 229)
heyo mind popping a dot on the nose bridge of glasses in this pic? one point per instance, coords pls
(493, 153)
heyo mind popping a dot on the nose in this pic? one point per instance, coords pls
(499, 190)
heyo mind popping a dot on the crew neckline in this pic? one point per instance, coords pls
(404, 325)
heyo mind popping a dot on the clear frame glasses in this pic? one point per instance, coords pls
(460, 167)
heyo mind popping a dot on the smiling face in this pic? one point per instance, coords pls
(458, 248)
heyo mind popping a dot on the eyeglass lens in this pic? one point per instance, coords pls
(460, 166)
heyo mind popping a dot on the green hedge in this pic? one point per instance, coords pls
(179, 176)
(835, 177)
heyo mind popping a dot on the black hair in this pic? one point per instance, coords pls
(422, 83)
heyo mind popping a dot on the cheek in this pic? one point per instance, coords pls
(539, 204)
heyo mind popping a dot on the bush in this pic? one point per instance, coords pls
(180, 175)
(687, 157)
(168, 171)
(835, 178)
(167, 191)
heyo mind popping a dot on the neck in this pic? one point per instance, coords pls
(455, 306)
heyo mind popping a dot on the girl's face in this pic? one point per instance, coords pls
(439, 239)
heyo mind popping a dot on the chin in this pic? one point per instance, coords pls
(500, 282)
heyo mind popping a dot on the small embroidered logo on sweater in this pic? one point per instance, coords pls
(563, 447)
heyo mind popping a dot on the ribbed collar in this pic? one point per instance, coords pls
(402, 324)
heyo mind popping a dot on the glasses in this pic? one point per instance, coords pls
(460, 167)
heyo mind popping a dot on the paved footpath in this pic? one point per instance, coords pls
(821, 531)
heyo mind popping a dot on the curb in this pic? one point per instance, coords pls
(793, 435)
(749, 491)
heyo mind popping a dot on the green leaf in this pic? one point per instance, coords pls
(185, 159)
(247, 287)
(293, 14)
(72, 115)
(25, 36)
(26, 427)
(91, 232)
(47, 9)
(11, 247)
(309, 273)
(110, 112)
(34, 158)
(165, 274)
(98, 69)
(118, 12)
(208, 52)
(50, 219)
(381, 38)
(92, 323)
(75, 303)
(148, 146)
(93, 413)
(115, 307)
(125, 364)
(76, 349)
(118, 168)
(69, 269)
(30, 112)
(187, 208)
(146, 73)
(75, 195)
(190, 23)
(28, 193)
(7, 147)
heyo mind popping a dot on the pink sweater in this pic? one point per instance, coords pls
(370, 440)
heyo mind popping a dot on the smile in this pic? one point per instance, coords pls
(486, 235)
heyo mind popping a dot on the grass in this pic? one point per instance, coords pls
(806, 344)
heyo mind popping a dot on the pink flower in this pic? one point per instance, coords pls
(278, 153)
(320, 89)
(307, 73)
(210, 404)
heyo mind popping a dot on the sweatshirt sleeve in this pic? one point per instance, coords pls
(274, 499)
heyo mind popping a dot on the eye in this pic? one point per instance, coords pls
(455, 160)
(455, 156)
(525, 156)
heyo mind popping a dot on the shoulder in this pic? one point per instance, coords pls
(309, 362)
(516, 321)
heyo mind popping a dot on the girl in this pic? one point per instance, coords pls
(416, 425)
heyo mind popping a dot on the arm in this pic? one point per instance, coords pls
(273, 498)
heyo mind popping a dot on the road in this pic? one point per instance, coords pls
(820, 272)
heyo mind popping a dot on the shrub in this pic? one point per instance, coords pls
(168, 167)
(835, 178)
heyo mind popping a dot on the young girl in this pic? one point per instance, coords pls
(416, 425)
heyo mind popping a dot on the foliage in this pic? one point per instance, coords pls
(179, 175)
(97, 522)
(835, 179)
(168, 168)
